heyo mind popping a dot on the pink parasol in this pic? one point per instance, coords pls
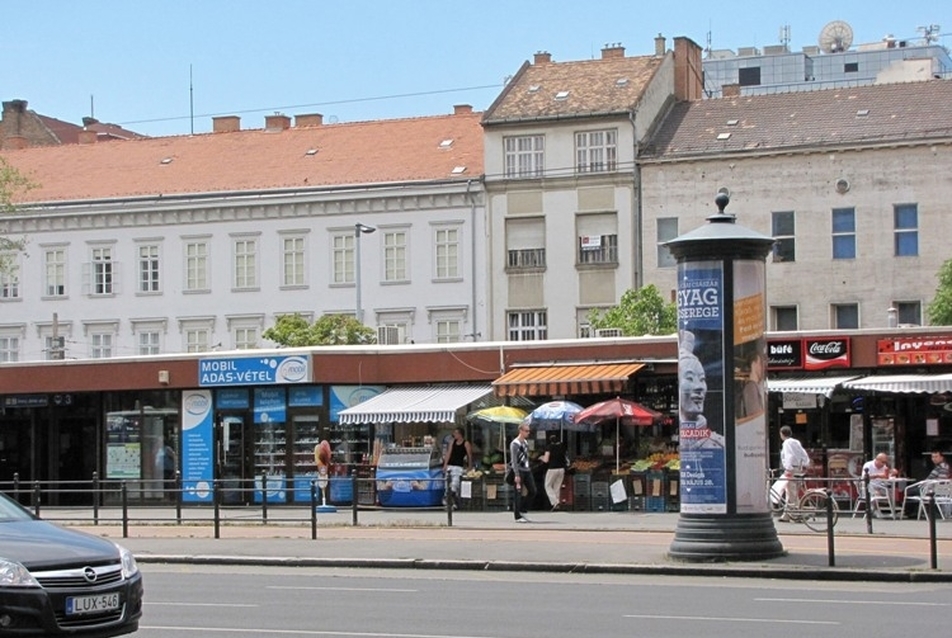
(621, 411)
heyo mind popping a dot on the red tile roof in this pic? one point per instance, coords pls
(377, 152)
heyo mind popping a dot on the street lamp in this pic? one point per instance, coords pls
(359, 229)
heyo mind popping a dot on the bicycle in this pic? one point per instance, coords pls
(810, 506)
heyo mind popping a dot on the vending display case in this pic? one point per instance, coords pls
(270, 458)
(306, 437)
(410, 477)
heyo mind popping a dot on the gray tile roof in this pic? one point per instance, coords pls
(888, 113)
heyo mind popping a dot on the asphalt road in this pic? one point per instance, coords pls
(261, 602)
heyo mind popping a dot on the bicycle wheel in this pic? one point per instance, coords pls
(812, 511)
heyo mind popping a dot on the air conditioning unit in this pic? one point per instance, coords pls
(609, 332)
(388, 335)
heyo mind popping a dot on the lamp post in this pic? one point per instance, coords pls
(359, 229)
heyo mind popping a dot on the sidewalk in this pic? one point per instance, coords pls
(617, 542)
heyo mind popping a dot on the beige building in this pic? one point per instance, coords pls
(854, 184)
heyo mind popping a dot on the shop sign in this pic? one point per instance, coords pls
(799, 401)
(26, 401)
(785, 354)
(913, 351)
(253, 371)
(822, 354)
(197, 446)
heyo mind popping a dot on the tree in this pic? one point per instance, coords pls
(639, 312)
(294, 331)
(940, 310)
(11, 183)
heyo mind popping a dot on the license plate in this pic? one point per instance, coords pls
(76, 605)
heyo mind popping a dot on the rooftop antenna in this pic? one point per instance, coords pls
(785, 35)
(92, 109)
(707, 49)
(191, 101)
(930, 33)
(835, 37)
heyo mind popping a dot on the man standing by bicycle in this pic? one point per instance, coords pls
(794, 460)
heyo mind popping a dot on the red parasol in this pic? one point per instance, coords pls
(622, 411)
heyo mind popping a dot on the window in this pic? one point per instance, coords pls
(527, 325)
(246, 258)
(784, 318)
(54, 260)
(9, 277)
(749, 76)
(783, 229)
(597, 239)
(908, 312)
(667, 230)
(851, 67)
(524, 156)
(906, 225)
(149, 268)
(100, 345)
(342, 251)
(448, 330)
(55, 347)
(596, 151)
(395, 255)
(525, 243)
(293, 251)
(845, 316)
(101, 271)
(246, 338)
(9, 349)
(447, 253)
(196, 340)
(844, 233)
(196, 266)
(148, 342)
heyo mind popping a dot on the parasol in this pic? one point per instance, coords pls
(558, 415)
(621, 411)
(499, 415)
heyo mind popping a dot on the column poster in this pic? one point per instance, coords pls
(750, 399)
(701, 387)
(197, 446)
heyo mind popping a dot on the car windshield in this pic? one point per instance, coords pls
(11, 511)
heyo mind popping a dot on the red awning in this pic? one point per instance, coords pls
(561, 380)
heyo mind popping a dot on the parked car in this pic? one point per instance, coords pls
(55, 581)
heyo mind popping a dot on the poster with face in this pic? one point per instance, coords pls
(701, 387)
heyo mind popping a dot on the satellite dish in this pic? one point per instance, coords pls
(836, 37)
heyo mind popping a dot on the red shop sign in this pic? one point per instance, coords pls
(822, 354)
(913, 351)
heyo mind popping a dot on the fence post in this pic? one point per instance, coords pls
(868, 502)
(448, 498)
(930, 516)
(353, 500)
(216, 499)
(36, 498)
(95, 498)
(16, 486)
(313, 509)
(178, 497)
(264, 497)
(125, 509)
(830, 548)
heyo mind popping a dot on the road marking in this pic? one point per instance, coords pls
(850, 602)
(153, 603)
(301, 632)
(380, 589)
(778, 621)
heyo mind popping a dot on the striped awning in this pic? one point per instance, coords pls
(808, 385)
(415, 404)
(561, 380)
(903, 383)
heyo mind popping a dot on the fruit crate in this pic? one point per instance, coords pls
(582, 492)
(655, 484)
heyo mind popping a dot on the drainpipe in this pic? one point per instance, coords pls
(472, 223)
(638, 257)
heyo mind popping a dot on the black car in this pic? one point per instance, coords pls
(55, 581)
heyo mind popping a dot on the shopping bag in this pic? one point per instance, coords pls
(510, 477)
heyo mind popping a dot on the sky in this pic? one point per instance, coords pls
(166, 67)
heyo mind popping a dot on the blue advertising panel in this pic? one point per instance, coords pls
(300, 396)
(197, 446)
(347, 396)
(701, 387)
(226, 371)
(270, 405)
(231, 399)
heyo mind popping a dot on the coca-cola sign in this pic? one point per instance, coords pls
(822, 354)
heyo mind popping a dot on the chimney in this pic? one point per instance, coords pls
(542, 57)
(12, 115)
(659, 45)
(613, 51)
(87, 136)
(277, 122)
(89, 120)
(14, 143)
(730, 90)
(226, 124)
(462, 109)
(308, 119)
(688, 75)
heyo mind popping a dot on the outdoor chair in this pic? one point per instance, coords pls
(941, 490)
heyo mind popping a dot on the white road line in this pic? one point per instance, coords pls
(778, 621)
(828, 601)
(300, 632)
(380, 589)
(153, 603)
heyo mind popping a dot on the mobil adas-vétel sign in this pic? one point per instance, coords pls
(253, 371)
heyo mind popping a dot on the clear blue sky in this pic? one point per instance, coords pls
(129, 60)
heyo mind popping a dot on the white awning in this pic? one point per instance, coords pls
(808, 385)
(903, 383)
(415, 404)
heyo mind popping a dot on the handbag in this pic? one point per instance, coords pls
(510, 477)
